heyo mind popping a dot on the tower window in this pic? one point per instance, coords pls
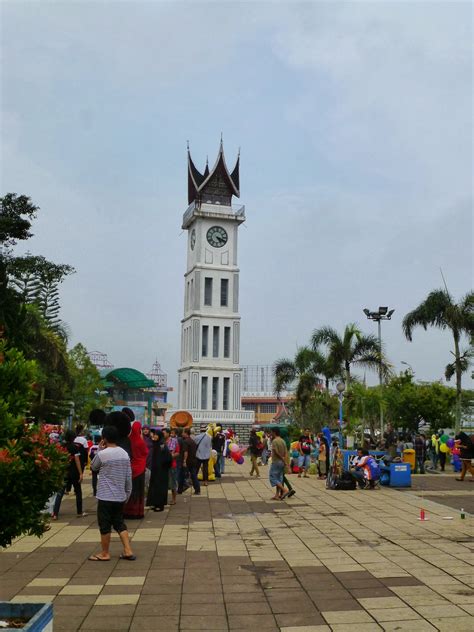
(226, 342)
(205, 341)
(224, 292)
(204, 393)
(208, 291)
(225, 393)
(215, 342)
(215, 393)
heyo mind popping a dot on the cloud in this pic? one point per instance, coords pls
(355, 126)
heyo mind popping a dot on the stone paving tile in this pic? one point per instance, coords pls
(261, 562)
(394, 614)
(203, 622)
(302, 619)
(447, 624)
(348, 616)
(152, 624)
(306, 628)
(116, 623)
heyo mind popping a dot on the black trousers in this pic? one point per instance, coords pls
(77, 490)
(442, 460)
(204, 463)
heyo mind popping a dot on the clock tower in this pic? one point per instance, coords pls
(210, 377)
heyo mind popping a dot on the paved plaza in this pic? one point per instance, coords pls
(234, 560)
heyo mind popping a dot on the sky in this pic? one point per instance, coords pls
(354, 121)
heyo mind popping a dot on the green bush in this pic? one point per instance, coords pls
(31, 468)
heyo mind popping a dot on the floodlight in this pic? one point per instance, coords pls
(383, 310)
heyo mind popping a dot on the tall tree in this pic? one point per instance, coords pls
(37, 281)
(352, 349)
(309, 369)
(16, 213)
(441, 311)
(86, 385)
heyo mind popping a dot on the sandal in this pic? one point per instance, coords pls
(97, 558)
(129, 558)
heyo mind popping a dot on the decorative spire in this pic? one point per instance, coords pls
(216, 186)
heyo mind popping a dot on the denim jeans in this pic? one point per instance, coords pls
(75, 483)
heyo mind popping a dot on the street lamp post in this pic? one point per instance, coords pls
(383, 313)
(341, 387)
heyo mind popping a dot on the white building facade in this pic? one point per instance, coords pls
(210, 377)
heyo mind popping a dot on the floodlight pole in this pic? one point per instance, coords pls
(383, 313)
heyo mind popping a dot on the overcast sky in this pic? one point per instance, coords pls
(355, 127)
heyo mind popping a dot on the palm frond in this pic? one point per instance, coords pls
(434, 311)
(284, 372)
(325, 335)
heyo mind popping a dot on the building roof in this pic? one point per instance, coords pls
(216, 186)
(130, 378)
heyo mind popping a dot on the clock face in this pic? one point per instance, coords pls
(217, 236)
(193, 238)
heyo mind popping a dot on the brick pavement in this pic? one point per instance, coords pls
(234, 560)
(444, 489)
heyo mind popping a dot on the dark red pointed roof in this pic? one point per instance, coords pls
(216, 186)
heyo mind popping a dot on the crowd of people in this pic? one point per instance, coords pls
(135, 466)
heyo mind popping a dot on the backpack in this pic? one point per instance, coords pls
(344, 483)
(83, 454)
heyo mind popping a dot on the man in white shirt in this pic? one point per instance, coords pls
(203, 453)
(113, 490)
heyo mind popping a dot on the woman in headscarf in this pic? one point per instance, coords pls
(160, 464)
(134, 508)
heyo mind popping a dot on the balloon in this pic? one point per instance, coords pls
(294, 445)
(241, 460)
(443, 448)
(444, 438)
(450, 443)
(233, 447)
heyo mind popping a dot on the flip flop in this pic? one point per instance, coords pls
(129, 558)
(96, 558)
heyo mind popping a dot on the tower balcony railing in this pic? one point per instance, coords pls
(223, 416)
(237, 211)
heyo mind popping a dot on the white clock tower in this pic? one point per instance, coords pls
(210, 377)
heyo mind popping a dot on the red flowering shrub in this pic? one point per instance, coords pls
(31, 468)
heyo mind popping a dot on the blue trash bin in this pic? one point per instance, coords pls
(400, 475)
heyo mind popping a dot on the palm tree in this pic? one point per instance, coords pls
(353, 348)
(439, 310)
(309, 368)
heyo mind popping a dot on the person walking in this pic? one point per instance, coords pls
(305, 446)
(146, 434)
(255, 449)
(466, 448)
(96, 418)
(218, 444)
(279, 463)
(265, 451)
(73, 476)
(134, 508)
(190, 460)
(172, 444)
(160, 464)
(420, 453)
(114, 487)
(322, 459)
(203, 453)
